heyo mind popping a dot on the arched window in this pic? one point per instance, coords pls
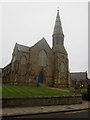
(42, 58)
(62, 67)
(23, 60)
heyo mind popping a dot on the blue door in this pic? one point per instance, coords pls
(41, 77)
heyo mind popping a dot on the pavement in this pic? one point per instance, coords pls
(17, 111)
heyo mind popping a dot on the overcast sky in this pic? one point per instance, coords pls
(27, 23)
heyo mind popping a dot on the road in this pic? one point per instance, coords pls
(75, 114)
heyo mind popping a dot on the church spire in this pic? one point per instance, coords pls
(58, 26)
(58, 36)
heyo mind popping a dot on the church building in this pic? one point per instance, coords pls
(40, 64)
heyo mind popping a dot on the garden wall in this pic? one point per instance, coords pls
(41, 101)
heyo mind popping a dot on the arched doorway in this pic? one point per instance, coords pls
(41, 77)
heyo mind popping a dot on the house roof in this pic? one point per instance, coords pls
(78, 76)
(26, 48)
(22, 48)
(43, 39)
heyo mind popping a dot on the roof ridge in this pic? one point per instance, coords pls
(38, 42)
(22, 45)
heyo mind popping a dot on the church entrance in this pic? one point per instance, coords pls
(41, 77)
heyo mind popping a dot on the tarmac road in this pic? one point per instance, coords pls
(73, 114)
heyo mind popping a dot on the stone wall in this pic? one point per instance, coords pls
(6, 72)
(41, 101)
(34, 61)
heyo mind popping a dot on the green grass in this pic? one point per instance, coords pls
(16, 91)
(84, 90)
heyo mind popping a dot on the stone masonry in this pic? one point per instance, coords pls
(40, 64)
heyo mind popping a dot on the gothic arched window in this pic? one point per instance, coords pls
(23, 60)
(42, 58)
(62, 67)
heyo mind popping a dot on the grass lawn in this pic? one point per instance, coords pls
(16, 91)
(84, 90)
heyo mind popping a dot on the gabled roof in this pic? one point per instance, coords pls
(42, 40)
(22, 48)
(78, 76)
(26, 48)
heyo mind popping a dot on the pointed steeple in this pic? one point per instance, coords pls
(58, 36)
(58, 26)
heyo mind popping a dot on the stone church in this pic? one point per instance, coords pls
(40, 64)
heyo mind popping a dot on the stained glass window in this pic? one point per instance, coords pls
(42, 58)
(23, 60)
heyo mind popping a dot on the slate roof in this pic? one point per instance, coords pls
(43, 39)
(23, 48)
(26, 48)
(78, 76)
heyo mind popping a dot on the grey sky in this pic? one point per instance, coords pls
(27, 23)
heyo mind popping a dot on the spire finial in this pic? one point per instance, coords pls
(58, 9)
